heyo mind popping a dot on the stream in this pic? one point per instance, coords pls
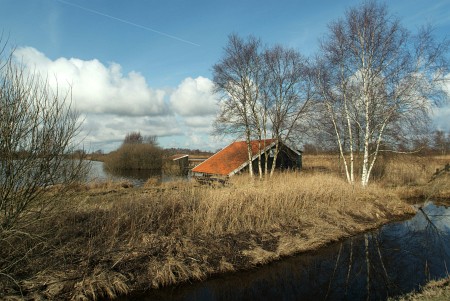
(392, 260)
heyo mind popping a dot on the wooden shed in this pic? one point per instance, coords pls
(233, 159)
(176, 165)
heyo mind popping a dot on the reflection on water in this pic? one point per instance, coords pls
(137, 177)
(393, 260)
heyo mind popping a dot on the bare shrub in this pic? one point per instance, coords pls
(138, 156)
(37, 131)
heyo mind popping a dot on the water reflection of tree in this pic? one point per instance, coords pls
(393, 260)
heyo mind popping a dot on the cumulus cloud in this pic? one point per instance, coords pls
(194, 97)
(97, 88)
(113, 104)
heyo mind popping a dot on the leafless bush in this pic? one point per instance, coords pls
(135, 156)
(37, 131)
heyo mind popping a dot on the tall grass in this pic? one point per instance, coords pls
(288, 200)
(111, 239)
(390, 169)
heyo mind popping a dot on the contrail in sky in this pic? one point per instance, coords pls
(128, 22)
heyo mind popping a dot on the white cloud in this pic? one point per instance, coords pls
(194, 97)
(112, 104)
(441, 115)
(203, 123)
(441, 118)
(97, 88)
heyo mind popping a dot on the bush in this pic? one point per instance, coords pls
(138, 156)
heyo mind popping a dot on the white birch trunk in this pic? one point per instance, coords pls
(341, 150)
(249, 151)
(350, 133)
(275, 156)
(375, 155)
(259, 159)
(365, 166)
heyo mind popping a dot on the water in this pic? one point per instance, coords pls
(392, 260)
(137, 177)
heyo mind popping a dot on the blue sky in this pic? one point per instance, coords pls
(146, 66)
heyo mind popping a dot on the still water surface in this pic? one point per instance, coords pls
(99, 173)
(393, 260)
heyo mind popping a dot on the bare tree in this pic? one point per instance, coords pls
(37, 131)
(287, 94)
(375, 78)
(137, 138)
(137, 152)
(236, 81)
(133, 138)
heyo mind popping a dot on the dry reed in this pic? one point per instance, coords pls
(166, 233)
(110, 238)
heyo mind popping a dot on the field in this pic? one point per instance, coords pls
(108, 239)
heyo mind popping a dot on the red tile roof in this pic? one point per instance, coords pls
(231, 158)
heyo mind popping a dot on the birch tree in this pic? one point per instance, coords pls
(288, 90)
(236, 82)
(377, 78)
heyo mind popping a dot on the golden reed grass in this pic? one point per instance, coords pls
(109, 238)
(391, 170)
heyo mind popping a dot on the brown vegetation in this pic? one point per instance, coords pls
(110, 239)
(391, 170)
(135, 156)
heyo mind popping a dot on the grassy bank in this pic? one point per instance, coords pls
(438, 290)
(109, 239)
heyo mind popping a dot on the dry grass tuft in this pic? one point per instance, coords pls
(151, 182)
(105, 284)
(171, 272)
(260, 256)
(225, 266)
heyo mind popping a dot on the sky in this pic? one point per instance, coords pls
(146, 66)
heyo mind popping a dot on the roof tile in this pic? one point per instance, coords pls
(229, 158)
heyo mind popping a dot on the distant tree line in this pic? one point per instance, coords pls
(435, 143)
(173, 151)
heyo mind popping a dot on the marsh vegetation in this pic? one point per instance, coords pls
(137, 152)
(109, 239)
